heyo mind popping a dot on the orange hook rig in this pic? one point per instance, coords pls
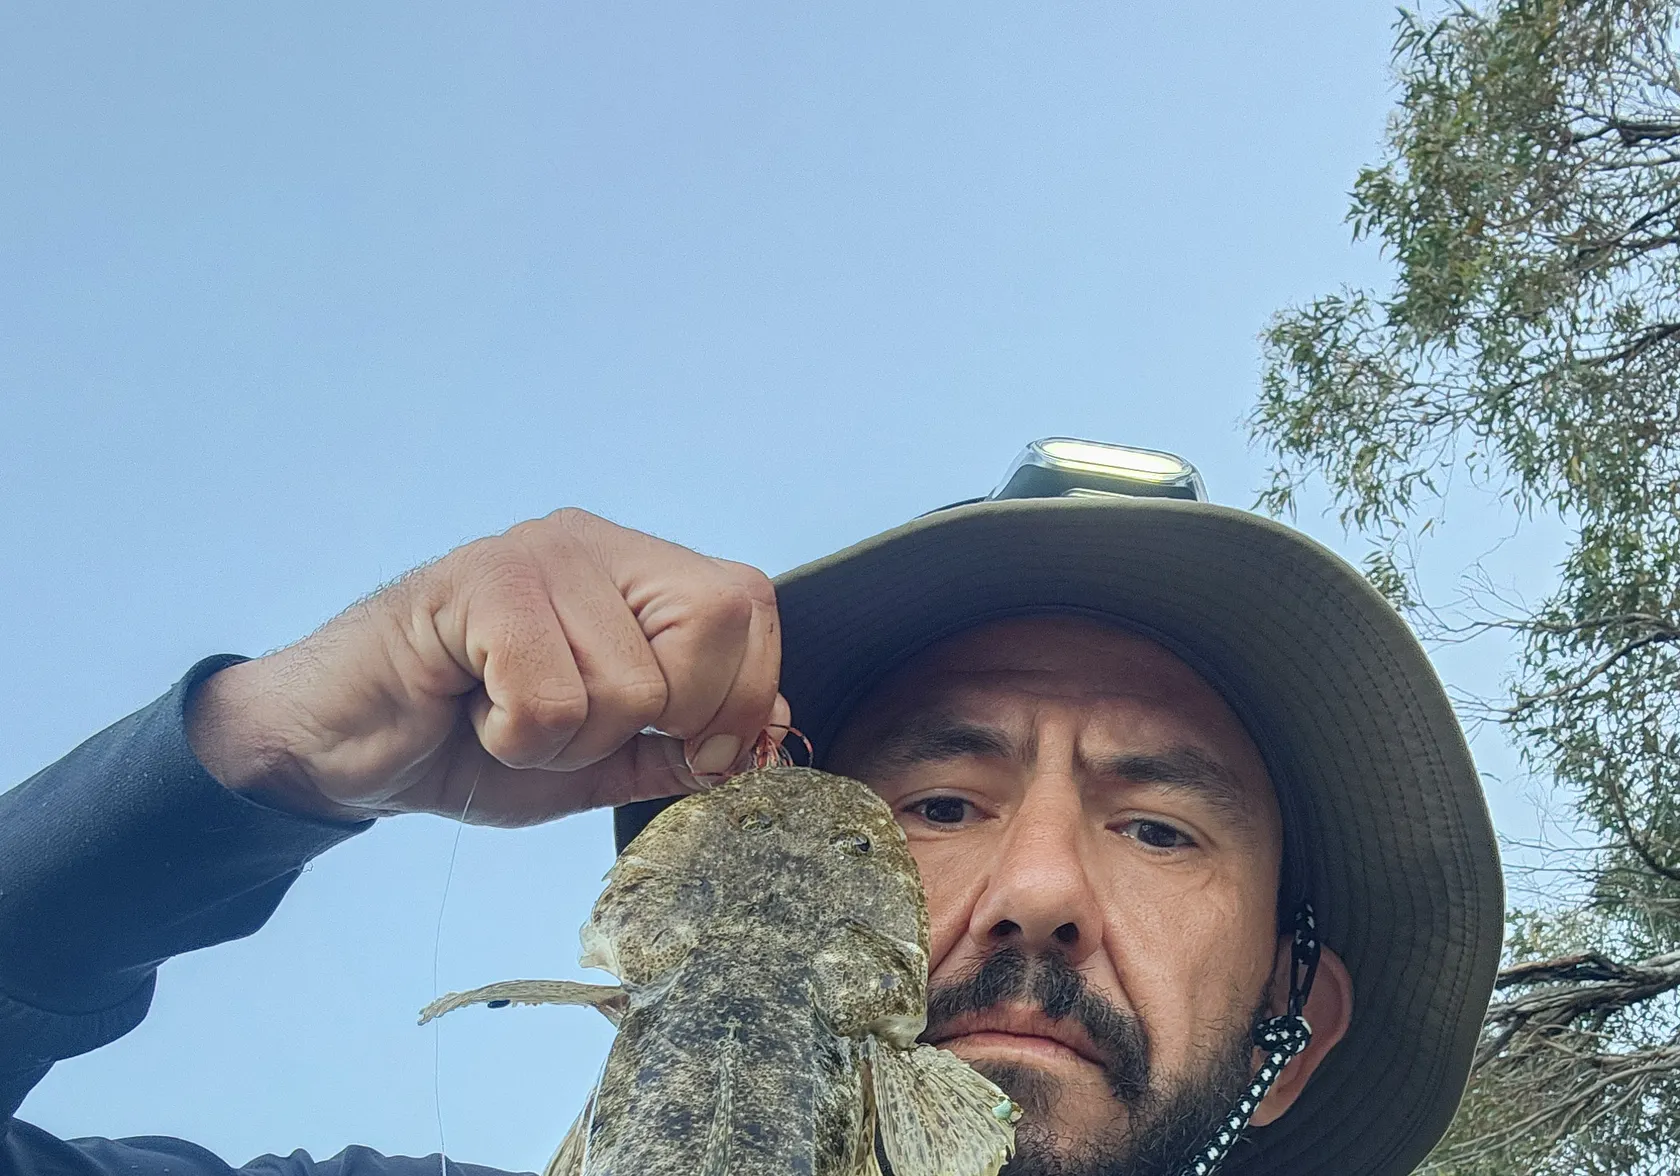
(767, 751)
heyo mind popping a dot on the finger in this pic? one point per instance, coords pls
(746, 710)
(624, 682)
(749, 706)
(700, 635)
(708, 760)
(781, 714)
(648, 766)
(533, 698)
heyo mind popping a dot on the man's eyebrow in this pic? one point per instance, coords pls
(1184, 768)
(932, 738)
(935, 737)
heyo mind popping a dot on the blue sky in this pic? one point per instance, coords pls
(297, 296)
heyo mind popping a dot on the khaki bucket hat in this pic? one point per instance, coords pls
(1386, 828)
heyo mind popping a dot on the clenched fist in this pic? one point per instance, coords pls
(520, 668)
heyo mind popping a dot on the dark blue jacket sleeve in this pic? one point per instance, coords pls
(120, 855)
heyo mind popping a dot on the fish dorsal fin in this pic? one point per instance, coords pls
(937, 1116)
(714, 1160)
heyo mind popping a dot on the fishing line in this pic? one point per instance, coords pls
(437, 986)
(437, 953)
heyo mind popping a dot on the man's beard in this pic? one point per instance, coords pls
(1163, 1125)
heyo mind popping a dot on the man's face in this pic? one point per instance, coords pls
(1101, 848)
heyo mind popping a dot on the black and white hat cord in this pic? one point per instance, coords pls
(1281, 1037)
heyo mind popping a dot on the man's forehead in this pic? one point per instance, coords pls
(1050, 655)
(993, 689)
(1111, 672)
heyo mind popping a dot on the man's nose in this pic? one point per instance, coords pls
(1038, 894)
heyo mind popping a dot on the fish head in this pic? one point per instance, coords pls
(831, 841)
(861, 917)
(789, 868)
(659, 898)
(646, 921)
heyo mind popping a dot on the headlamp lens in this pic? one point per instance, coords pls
(1067, 467)
(1091, 457)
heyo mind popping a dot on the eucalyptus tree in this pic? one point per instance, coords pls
(1529, 201)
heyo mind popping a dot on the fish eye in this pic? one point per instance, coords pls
(856, 844)
(755, 820)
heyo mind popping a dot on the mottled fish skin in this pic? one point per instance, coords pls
(710, 1080)
(771, 935)
(763, 929)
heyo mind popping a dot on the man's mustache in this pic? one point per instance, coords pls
(1060, 992)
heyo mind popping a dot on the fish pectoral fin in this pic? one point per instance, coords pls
(937, 1116)
(868, 1163)
(568, 1157)
(609, 999)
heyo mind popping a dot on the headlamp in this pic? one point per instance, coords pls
(1066, 467)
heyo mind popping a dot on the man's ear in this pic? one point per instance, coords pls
(1329, 1010)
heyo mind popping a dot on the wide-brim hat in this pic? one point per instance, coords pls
(1386, 827)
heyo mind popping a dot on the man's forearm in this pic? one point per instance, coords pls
(120, 855)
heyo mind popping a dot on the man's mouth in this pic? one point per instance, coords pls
(1020, 1030)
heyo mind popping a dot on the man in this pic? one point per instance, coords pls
(1130, 741)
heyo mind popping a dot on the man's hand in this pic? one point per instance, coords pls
(524, 664)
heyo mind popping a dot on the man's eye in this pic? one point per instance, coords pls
(1157, 835)
(941, 810)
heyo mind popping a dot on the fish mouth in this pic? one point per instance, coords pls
(1021, 1029)
(599, 950)
(900, 1031)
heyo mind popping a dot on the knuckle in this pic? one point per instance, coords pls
(727, 604)
(758, 587)
(551, 710)
(501, 568)
(560, 534)
(640, 696)
(570, 521)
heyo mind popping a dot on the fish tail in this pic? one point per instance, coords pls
(714, 1160)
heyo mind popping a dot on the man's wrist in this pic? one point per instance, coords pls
(238, 728)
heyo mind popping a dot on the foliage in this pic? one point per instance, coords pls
(1530, 202)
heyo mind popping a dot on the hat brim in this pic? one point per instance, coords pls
(1387, 826)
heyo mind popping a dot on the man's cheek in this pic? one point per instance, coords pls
(951, 880)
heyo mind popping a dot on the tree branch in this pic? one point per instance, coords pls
(1526, 702)
(1577, 985)
(1639, 844)
(1644, 132)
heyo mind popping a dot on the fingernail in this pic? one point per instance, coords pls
(716, 755)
